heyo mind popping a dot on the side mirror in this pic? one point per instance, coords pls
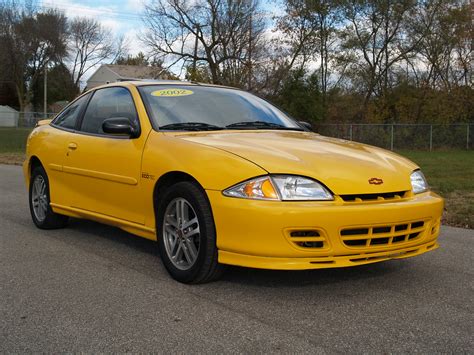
(120, 125)
(306, 125)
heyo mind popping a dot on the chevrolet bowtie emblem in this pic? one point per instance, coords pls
(375, 181)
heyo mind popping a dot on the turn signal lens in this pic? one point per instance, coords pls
(418, 182)
(268, 190)
(259, 188)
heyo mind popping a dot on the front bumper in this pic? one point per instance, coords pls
(258, 234)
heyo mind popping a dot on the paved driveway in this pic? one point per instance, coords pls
(95, 288)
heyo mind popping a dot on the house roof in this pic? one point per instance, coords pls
(7, 109)
(137, 72)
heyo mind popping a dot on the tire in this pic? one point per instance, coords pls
(189, 235)
(39, 198)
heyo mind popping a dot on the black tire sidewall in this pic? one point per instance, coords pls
(52, 220)
(207, 243)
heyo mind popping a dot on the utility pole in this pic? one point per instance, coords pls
(193, 77)
(45, 97)
(250, 55)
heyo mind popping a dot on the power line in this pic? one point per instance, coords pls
(89, 8)
(108, 13)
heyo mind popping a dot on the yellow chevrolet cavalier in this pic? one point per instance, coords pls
(219, 176)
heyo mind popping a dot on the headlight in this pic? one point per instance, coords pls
(280, 187)
(418, 182)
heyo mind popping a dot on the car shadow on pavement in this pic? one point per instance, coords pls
(114, 243)
(301, 278)
(112, 234)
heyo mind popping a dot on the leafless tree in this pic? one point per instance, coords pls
(90, 44)
(446, 51)
(309, 30)
(377, 40)
(298, 28)
(223, 35)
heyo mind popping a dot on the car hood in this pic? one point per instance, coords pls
(343, 166)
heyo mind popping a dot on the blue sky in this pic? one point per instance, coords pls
(122, 17)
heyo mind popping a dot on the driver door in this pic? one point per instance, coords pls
(104, 169)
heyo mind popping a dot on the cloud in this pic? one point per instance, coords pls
(134, 45)
(112, 15)
(122, 18)
(113, 25)
(136, 5)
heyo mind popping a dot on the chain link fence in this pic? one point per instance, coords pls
(14, 119)
(389, 136)
(404, 136)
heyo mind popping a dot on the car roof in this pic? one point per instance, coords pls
(138, 83)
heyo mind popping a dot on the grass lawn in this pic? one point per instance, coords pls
(13, 140)
(450, 173)
(12, 144)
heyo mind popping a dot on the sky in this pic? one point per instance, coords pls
(122, 17)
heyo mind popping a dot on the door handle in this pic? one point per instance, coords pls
(72, 146)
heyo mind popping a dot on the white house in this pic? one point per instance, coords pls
(8, 117)
(111, 73)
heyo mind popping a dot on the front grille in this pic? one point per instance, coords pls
(307, 238)
(386, 235)
(397, 195)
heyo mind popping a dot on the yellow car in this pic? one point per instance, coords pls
(219, 176)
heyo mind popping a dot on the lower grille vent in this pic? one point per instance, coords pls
(377, 236)
(374, 197)
(308, 239)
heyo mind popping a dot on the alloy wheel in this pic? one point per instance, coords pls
(181, 233)
(39, 199)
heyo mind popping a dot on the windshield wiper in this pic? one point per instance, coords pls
(260, 125)
(191, 126)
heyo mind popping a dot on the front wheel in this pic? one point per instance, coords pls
(41, 212)
(186, 234)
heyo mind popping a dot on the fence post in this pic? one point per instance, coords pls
(431, 138)
(350, 132)
(467, 137)
(391, 139)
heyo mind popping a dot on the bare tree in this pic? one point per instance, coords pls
(298, 27)
(328, 20)
(310, 29)
(377, 40)
(91, 44)
(223, 35)
(446, 50)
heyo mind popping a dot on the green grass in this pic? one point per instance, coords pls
(446, 171)
(451, 174)
(13, 140)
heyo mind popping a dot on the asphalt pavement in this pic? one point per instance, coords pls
(94, 288)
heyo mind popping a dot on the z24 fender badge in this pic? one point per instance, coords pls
(375, 181)
(148, 176)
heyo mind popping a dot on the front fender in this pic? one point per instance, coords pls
(213, 168)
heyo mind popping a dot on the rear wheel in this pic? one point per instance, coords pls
(41, 212)
(186, 234)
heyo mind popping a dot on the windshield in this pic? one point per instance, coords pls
(186, 107)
